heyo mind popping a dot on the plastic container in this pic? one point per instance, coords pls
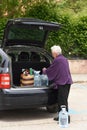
(44, 80)
(37, 79)
(63, 117)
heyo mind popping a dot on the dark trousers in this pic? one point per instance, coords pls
(60, 96)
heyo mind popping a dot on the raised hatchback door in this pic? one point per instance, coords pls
(30, 32)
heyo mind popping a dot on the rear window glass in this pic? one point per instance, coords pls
(25, 33)
(38, 57)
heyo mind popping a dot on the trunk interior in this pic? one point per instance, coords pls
(26, 60)
(18, 66)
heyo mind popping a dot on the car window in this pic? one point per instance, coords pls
(38, 57)
(44, 58)
(12, 56)
(25, 33)
(0, 60)
(23, 56)
(2, 64)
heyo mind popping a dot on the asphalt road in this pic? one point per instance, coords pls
(40, 119)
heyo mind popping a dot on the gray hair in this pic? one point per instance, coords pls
(57, 49)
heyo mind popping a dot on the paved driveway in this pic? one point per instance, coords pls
(40, 119)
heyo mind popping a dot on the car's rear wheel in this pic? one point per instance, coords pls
(52, 108)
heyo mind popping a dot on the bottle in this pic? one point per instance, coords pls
(44, 80)
(63, 117)
(31, 71)
(37, 79)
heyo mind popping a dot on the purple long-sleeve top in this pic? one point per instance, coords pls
(59, 71)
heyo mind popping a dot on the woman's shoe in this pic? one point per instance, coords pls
(56, 118)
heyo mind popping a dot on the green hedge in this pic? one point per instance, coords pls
(72, 36)
(2, 27)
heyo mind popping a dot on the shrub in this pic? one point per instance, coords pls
(72, 36)
(2, 26)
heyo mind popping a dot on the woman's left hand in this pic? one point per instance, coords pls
(44, 70)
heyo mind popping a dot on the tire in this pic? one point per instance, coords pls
(52, 108)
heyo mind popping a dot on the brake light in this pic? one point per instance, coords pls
(5, 81)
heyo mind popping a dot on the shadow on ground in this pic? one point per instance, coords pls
(25, 114)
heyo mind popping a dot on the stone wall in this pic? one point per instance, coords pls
(78, 66)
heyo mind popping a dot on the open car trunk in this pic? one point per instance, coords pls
(19, 65)
(26, 59)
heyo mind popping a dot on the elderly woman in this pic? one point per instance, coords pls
(59, 73)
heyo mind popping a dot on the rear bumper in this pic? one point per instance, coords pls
(17, 98)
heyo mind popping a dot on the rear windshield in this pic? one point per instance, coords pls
(25, 33)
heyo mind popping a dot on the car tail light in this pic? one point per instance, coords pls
(5, 81)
